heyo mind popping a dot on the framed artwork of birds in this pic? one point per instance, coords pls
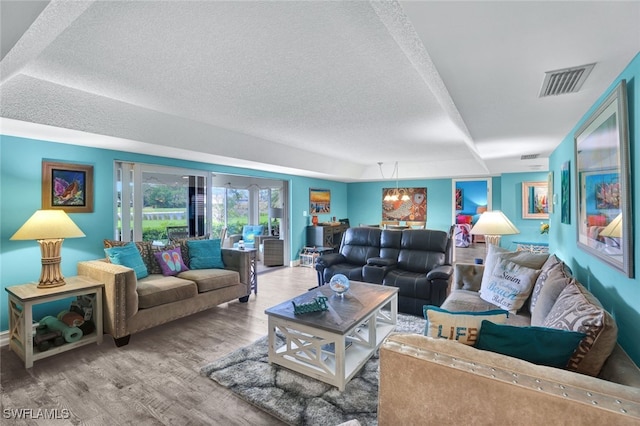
(67, 186)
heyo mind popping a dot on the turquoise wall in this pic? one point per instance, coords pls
(20, 196)
(474, 194)
(619, 295)
(364, 201)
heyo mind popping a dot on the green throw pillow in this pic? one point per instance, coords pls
(460, 326)
(539, 345)
(205, 254)
(129, 256)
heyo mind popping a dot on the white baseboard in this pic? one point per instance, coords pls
(4, 338)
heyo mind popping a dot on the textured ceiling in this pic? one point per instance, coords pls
(322, 89)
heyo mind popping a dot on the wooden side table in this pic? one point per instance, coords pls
(23, 297)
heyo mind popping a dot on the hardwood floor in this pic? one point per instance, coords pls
(155, 379)
(469, 254)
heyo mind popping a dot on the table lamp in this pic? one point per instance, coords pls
(276, 213)
(614, 229)
(49, 228)
(493, 224)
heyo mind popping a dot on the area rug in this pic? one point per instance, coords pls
(297, 399)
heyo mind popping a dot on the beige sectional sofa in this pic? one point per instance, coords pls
(132, 305)
(427, 380)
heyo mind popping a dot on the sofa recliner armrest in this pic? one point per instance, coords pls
(382, 261)
(329, 259)
(442, 272)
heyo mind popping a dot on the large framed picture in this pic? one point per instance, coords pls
(602, 176)
(404, 204)
(319, 201)
(67, 186)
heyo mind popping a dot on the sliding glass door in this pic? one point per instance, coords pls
(154, 203)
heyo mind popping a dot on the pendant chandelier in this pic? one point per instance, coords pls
(394, 194)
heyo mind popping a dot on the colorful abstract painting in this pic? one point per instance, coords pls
(404, 204)
(68, 187)
(319, 201)
(459, 199)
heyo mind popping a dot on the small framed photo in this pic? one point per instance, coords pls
(535, 201)
(67, 186)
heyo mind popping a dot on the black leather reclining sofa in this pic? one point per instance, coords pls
(417, 261)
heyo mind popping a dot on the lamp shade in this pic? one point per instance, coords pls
(494, 223)
(275, 212)
(614, 229)
(48, 224)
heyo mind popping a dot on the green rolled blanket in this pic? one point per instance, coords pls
(70, 334)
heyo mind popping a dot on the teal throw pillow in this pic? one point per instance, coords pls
(205, 254)
(539, 345)
(129, 256)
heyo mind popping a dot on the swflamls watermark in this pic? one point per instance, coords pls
(36, 413)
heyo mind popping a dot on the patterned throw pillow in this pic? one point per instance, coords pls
(171, 261)
(146, 250)
(129, 256)
(552, 263)
(460, 326)
(205, 254)
(539, 345)
(556, 281)
(509, 285)
(578, 310)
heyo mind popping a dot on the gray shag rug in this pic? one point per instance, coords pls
(295, 398)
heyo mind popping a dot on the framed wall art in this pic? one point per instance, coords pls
(319, 201)
(565, 193)
(402, 204)
(535, 200)
(602, 175)
(459, 199)
(550, 199)
(67, 186)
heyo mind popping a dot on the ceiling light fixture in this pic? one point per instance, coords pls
(394, 195)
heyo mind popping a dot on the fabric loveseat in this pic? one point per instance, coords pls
(131, 304)
(417, 261)
(599, 384)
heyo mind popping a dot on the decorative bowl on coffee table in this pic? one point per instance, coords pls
(339, 284)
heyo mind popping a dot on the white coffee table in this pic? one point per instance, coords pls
(333, 345)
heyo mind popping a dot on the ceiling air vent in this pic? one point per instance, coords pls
(568, 80)
(529, 156)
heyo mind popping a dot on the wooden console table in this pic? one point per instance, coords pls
(326, 236)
